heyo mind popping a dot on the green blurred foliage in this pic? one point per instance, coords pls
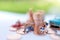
(23, 6)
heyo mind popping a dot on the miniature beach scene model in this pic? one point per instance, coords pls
(33, 26)
(30, 20)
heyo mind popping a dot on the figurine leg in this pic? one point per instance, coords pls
(39, 31)
(36, 30)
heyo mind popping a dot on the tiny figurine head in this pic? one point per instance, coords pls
(39, 13)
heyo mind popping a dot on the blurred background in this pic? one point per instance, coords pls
(22, 6)
(13, 10)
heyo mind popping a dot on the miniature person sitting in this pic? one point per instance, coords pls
(28, 26)
(30, 22)
(39, 21)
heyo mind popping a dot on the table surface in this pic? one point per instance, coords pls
(6, 20)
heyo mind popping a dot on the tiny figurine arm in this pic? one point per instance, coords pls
(31, 15)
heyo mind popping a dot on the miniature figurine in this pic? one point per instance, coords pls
(31, 17)
(29, 26)
(34, 23)
(39, 21)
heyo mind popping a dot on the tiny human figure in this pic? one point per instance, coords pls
(16, 26)
(29, 26)
(39, 21)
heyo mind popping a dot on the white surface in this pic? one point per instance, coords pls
(7, 19)
(54, 37)
(14, 37)
(12, 29)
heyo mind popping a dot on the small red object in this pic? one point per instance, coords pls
(17, 25)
